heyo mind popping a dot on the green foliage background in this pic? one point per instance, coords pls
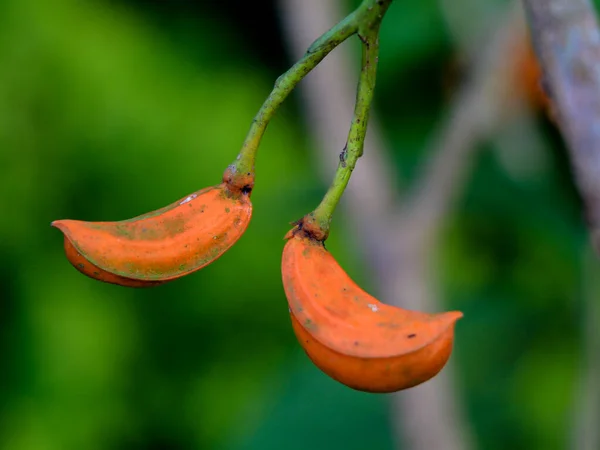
(110, 109)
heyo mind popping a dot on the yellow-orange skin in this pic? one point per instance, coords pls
(351, 336)
(161, 245)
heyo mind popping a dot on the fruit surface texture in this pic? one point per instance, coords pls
(161, 245)
(350, 335)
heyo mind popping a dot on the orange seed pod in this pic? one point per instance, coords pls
(164, 244)
(351, 336)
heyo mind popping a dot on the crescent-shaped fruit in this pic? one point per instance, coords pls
(161, 245)
(351, 336)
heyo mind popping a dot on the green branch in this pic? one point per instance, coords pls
(318, 222)
(363, 20)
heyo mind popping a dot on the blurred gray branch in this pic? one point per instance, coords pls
(567, 42)
(475, 114)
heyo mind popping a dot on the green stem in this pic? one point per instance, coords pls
(319, 220)
(364, 18)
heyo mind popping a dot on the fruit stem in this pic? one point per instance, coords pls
(362, 20)
(320, 218)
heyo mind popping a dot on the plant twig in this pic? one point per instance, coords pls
(360, 21)
(358, 129)
(328, 94)
(566, 39)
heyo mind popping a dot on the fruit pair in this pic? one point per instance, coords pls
(347, 333)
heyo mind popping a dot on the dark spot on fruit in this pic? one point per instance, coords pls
(80, 265)
(310, 325)
(356, 343)
(246, 189)
(412, 335)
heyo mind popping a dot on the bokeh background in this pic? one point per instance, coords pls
(111, 108)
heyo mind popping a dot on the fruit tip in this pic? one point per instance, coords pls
(455, 315)
(60, 224)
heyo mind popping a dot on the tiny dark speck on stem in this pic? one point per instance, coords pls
(410, 336)
(344, 155)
